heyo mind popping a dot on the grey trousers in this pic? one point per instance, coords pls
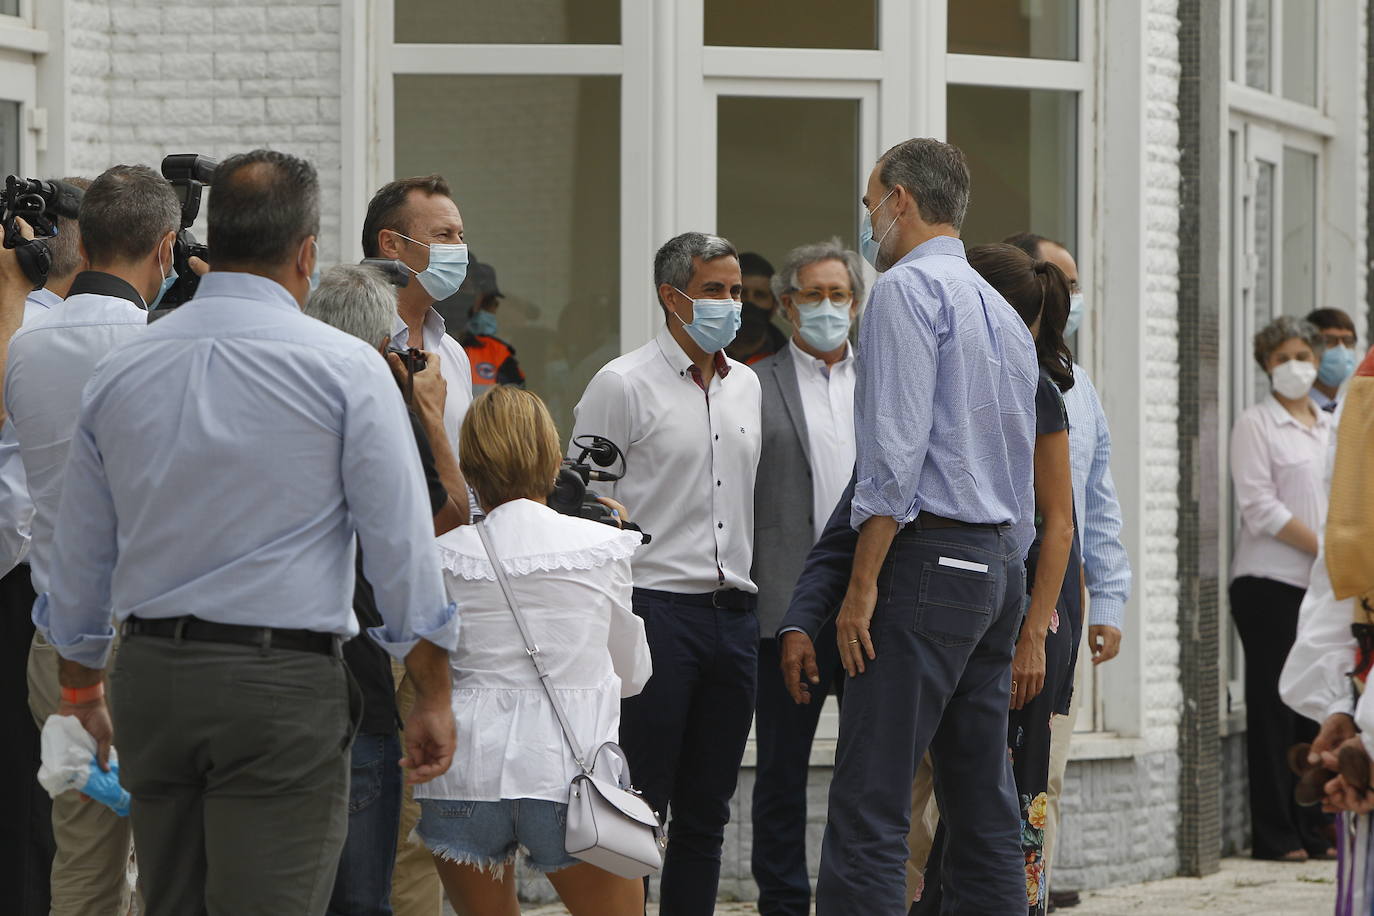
(237, 759)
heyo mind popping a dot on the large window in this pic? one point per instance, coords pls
(1015, 28)
(534, 163)
(509, 21)
(794, 24)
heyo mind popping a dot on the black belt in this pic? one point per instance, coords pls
(197, 630)
(926, 521)
(727, 598)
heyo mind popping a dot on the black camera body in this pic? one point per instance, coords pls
(189, 174)
(394, 272)
(39, 203)
(570, 495)
(414, 361)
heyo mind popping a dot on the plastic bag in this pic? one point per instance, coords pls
(69, 762)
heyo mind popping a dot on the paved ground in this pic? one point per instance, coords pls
(1243, 886)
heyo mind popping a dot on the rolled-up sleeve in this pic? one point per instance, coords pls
(893, 403)
(388, 500)
(1251, 472)
(1314, 681)
(1107, 565)
(74, 615)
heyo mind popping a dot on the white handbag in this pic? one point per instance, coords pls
(610, 827)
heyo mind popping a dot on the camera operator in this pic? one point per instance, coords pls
(688, 419)
(220, 471)
(359, 301)
(127, 224)
(28, 830)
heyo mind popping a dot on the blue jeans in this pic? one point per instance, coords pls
(948, 611)
(362, 886)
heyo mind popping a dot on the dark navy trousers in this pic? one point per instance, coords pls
(948, 610)
(684, 735)
(783, 733)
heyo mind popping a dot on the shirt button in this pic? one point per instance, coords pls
(717, 483)
(717, 437)
(720, 524)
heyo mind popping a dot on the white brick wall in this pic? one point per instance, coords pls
(151, 77)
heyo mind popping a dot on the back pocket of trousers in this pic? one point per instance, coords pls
(955, 605)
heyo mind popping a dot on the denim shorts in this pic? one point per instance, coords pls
(487, 834)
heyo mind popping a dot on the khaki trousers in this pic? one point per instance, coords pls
(90, 871)
(415, 887)
(1061, 732)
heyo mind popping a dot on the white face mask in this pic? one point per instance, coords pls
(1294, 378)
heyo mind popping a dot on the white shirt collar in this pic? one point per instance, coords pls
(237, 285)
(432, 330)
(819, 365)
(1282, 416)
(529, 536)
(43, 298)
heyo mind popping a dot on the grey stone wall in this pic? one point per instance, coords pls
(1235, 802)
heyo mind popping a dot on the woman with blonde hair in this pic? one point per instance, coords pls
(507, 790)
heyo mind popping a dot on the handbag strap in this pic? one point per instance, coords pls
(531, 649)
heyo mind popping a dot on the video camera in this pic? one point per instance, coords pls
(39, 203)
(188, 173)
(570, 495)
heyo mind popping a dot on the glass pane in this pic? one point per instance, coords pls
(1299, 232)
(1257, 54)
(595, 22)
(1263, 297)
(1300, 51)
(792, 23)
(9, 139)
(540, 198)
(1022, 152)
(1014, 28)
(9, 7)
(766, 145)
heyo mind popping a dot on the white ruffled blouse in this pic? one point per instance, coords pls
(572, 580)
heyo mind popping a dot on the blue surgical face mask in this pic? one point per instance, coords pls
(482, 324)
(1076, 309)
(714, 322)
(448, 267)
(1336, 366)
(868, 245)
(824, 325)
(167, 283)
(315, 274)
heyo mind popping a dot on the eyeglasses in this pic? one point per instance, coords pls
(1338, 338)
(839, 296)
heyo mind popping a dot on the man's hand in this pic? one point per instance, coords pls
(198, 267)
(851, 626)
(1336, 730)
(11, 274)
(95, 719)
(1341, 793)
(1105, 642)
(798, 655)
(431, 739)
(1027, 668)
(622, 515)
(428, 389)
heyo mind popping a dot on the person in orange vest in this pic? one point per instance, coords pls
(493, 360)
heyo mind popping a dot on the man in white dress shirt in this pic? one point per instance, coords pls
(807, 458)
(687, 418)
(29, 830)
(223, 465)
(415, 221)
(128, 224)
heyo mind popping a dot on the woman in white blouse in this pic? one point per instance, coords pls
(1278, 461)
(507, 790)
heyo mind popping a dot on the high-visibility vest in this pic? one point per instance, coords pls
(493, 361)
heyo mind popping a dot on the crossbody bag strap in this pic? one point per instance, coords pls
(531, 649)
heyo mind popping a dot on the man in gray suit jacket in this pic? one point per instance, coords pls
(806, 460)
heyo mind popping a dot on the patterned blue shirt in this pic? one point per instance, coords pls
(1107, 567)
(944, 407)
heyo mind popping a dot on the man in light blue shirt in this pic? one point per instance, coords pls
(221, 467)
(945, 425)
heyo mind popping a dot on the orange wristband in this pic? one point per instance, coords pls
(78, 695)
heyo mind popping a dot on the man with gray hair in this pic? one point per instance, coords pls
(127, 223)
(808, 453)
(359, 301)
(223, 464)
(687, 418)
(942, 505)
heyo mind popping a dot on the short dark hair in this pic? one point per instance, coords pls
(66, 253)
(673, 264)
(752, 264)
(934, 173)
(1336, 319)
(263, 204)
(126, 212)
(385, 209)
(1030, 243)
